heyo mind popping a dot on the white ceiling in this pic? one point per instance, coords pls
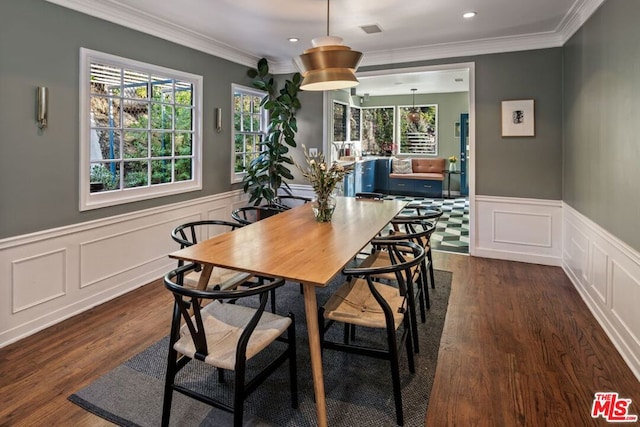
(246, 30)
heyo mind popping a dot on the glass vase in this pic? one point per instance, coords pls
(323, 207)
(452, 167)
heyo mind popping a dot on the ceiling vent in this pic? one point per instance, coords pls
(371, 29)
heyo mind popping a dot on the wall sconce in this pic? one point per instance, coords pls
(218, 119)
(42, 100)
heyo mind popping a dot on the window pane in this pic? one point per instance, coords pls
(184, 93)
(105, 79)
(256, 103)
(246, 122)
(239, 164)
(160, 171)
(355, 124)
(136, 145)
(184, 169)
(135, 85)
(160, 144)
(135, 174)
(184, 144)
(104, 176)
(105, 112)
(108, 144)
(246, 104)
(255, 126)
(136, 114)
(161, 89)
(239, 143)
(184, 118)
(161, 116)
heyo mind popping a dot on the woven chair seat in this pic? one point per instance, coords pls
(224, 323)
(353, 303)
(222, 278)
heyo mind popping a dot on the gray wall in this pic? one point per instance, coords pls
(528, 167)
(39, 46)
(602, 88)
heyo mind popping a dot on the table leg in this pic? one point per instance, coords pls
(311, 311)
(205, 274)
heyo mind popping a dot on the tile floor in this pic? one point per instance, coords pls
(452, 230)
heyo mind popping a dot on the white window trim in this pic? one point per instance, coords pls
(237, 177)
(90, 200)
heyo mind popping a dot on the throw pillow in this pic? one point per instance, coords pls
(401, 166)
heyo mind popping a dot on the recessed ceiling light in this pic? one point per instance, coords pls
(293, 39)
(468, 15)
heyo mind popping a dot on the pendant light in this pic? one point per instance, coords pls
(414, 113)
(329, 65)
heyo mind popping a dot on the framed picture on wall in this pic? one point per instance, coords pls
(456, 129)
(518, 118)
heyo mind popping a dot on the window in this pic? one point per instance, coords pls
(340, 118)
(140, 130)
(355, 117)
(377, 129)
(249, 128)
(420, 137)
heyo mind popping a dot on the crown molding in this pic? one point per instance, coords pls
(447, 50)
(576, 17)
(120, 14)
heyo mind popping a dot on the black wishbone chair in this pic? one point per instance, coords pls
(188, 235)
(288, 201)
(417, 232)
(363, 301)
(225, 336)
(247, 215)
(431, 214)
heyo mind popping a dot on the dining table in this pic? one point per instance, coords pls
(294, 246)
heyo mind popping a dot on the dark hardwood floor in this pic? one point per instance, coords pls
(519, 347)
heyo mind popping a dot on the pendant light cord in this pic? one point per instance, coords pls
(328, 18)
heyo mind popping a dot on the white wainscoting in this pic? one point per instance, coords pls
(606, 273)
(48, 276)
(527, 230)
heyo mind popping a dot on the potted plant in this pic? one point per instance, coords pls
(266, 172)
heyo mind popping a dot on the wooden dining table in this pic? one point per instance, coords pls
(293, 246)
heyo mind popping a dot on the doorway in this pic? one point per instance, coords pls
(459, 133)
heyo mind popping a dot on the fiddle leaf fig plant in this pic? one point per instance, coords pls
(265, 173)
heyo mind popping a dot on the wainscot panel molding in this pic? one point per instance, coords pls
(606, 273)
(515, 229)
(49, 276)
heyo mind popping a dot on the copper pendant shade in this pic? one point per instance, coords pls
(414, 113)
(329, 65)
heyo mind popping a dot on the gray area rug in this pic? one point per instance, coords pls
(358, 388)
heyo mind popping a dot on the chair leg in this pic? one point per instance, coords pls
(168, 386)
(413, 317)
(293, 364)
(425, 287)
(431, 275)
(273, 300)
(395, 371)
(238, 396)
